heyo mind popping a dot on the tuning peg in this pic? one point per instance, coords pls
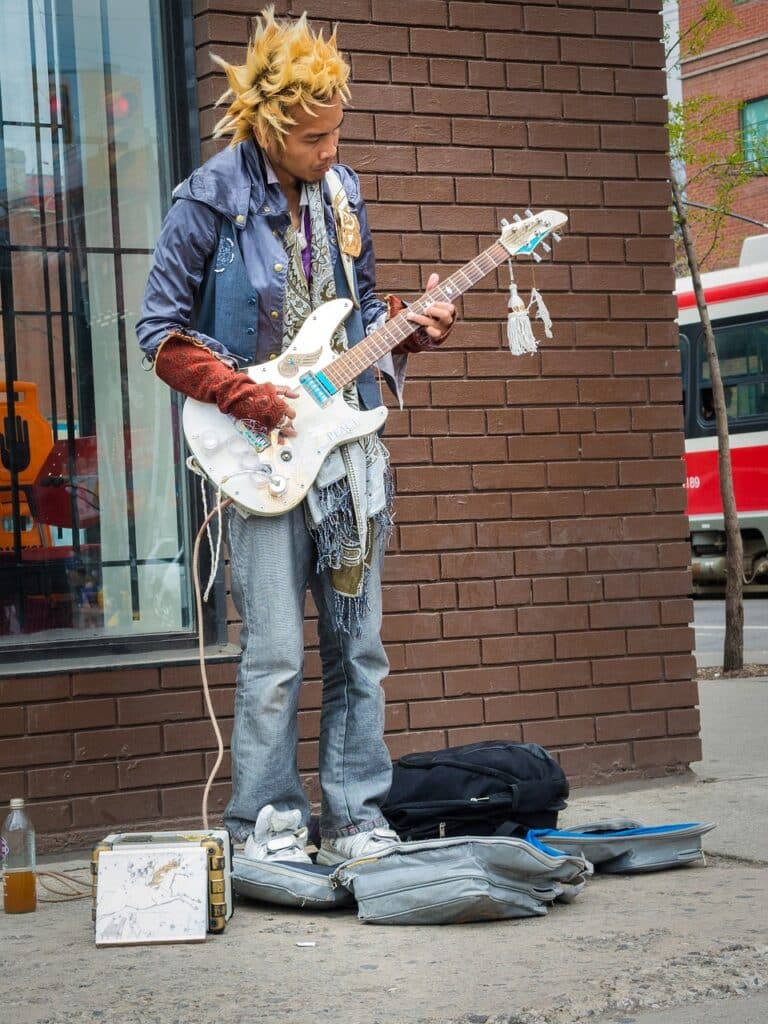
(517, 218)
(529, 213)
(545, 247)
(555, 237)
(536, 257)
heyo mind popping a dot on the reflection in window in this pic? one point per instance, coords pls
(93, 511)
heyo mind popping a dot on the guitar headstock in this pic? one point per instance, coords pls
(525, 235)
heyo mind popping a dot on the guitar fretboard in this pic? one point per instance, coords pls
(351, 364)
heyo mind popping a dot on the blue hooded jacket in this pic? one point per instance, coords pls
(219, 267)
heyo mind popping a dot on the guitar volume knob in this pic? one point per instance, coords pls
(278, 485)
(209, 440)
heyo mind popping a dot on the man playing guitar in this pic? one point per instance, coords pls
(254, 243)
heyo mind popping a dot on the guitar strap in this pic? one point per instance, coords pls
(347, 230)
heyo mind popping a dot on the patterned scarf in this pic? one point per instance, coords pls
(349, 508)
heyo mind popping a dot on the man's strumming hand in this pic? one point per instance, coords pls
(191, 368)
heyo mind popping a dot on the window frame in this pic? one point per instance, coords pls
(751, 151)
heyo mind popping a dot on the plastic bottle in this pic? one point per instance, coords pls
(17, 845)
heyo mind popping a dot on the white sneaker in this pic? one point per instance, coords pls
(361, 844)
(277, 836)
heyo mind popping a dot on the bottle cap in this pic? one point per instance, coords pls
(17, 801)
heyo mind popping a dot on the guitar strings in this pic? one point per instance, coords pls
(350, 364)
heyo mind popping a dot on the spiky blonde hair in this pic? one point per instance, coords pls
(287, 64)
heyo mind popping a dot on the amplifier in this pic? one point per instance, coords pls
(161, 886)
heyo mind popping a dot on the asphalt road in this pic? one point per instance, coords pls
(709, 625)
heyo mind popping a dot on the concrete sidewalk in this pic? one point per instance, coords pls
(675, 946)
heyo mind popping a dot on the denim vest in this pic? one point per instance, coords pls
(229, 308)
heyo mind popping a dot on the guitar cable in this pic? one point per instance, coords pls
(199, 598)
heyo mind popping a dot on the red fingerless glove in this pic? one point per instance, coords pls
(191, 368)
(419, 339)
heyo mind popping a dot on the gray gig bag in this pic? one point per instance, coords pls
(454, 881)
(289, 884)
(623, 846)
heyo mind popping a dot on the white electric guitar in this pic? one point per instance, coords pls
(268, 478)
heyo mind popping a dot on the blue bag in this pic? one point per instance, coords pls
(625, 846)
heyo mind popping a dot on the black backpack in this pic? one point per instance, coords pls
(481, 789)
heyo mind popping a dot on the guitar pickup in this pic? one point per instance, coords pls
(318, 387)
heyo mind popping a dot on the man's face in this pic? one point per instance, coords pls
(310, 146)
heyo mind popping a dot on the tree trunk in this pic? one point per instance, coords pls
(733, 647)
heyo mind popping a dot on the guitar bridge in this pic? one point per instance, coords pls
(318, 387)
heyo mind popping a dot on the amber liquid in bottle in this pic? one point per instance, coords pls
(19, 895)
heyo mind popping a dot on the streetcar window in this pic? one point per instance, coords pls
(685, 370)
(742, 351)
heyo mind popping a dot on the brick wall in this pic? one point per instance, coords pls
(749, 21)
(536, 587)
(733, 68)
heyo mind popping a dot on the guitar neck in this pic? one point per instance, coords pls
(348, 366)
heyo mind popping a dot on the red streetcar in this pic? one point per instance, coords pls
(738, 306)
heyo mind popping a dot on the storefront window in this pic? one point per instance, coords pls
(94, 509)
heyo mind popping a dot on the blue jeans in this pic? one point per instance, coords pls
(273, 561)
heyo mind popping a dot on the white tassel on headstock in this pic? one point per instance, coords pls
(542, 313)
(519, 331)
